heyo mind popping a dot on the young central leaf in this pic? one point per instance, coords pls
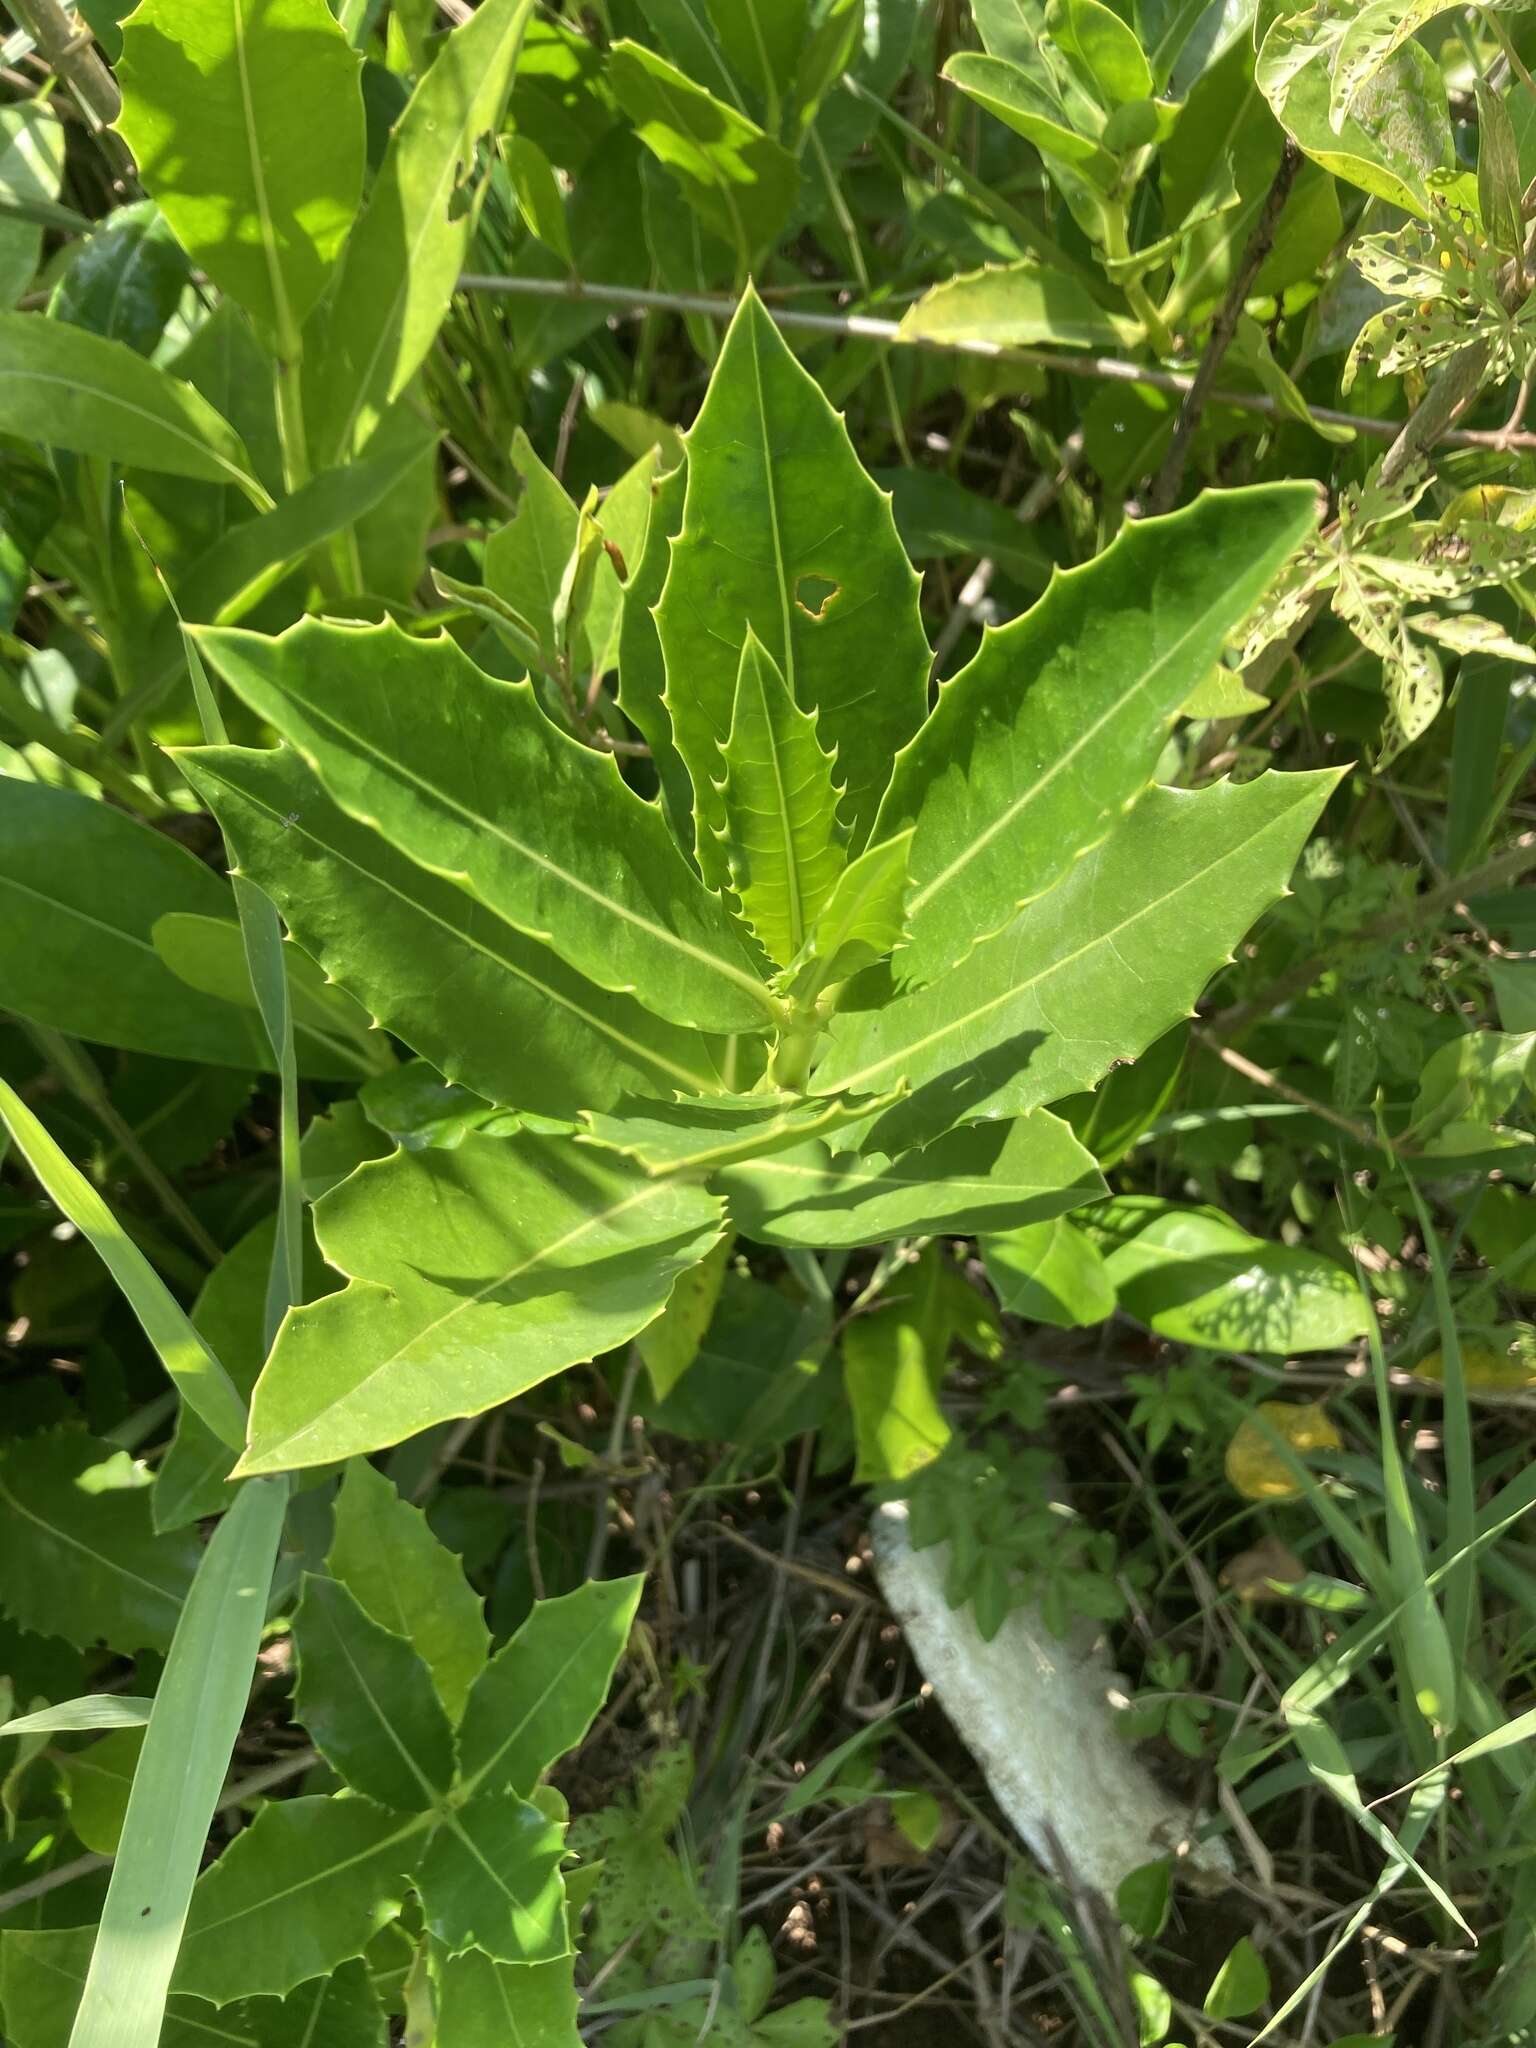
(785, 534)
(780, 828)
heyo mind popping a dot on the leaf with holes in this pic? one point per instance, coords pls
(784, 534)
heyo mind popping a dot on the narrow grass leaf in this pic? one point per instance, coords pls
(72, 1717)
(192, 1728)
(200, 1377)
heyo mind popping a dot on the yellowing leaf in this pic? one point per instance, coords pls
(1256, 1468)
(1489, 1365)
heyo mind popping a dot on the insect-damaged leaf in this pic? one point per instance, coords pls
(785, 534)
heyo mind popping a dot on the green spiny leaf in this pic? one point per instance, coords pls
(538, 1696)
(368, 1701)
(486, 1004)
(1092, 971)
(491, 1880)
(513, 1256)
(784, 534)
(542, 830)
(1036, 748)
(300, 1892)
(385, 1554)
(780, 833)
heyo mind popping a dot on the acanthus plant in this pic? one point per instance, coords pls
(822, 990)
(810, 968)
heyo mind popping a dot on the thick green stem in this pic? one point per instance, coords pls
(1118, 248)
(790, 1066)
(289, 393)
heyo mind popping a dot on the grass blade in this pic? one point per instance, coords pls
(1460, 1476)
(263, 937)
(203, 1382)
(192, 1728)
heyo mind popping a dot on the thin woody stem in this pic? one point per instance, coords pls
(635, 300)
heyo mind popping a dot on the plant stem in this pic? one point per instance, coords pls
(289, 395)
(65, 44)
(1118, 248)
(637, 300)
(1223, 327)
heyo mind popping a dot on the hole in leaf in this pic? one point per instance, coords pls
(813, 594)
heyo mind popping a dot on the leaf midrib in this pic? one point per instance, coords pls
(360, 1679)
(478, 1777)
(697, 1083)
(467, 1841)
(462, 1305)
(282, 310)
(343, 736)
(846, 1082)
(414, 1826)
(1143, 684)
